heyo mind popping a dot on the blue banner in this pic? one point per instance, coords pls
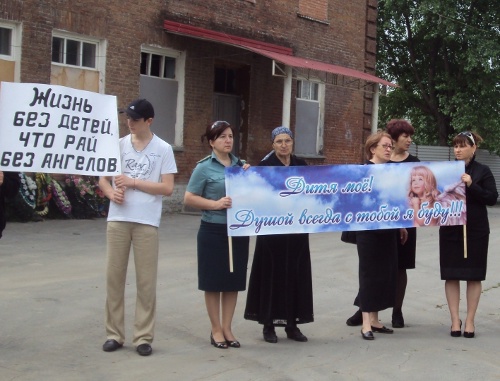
(315, 199)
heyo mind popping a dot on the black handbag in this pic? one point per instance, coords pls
(348, 237)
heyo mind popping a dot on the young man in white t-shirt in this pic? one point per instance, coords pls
(148, 168)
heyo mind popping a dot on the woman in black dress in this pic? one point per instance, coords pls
(401, 132)
(455, 265)
(378, 254)
(280, 286)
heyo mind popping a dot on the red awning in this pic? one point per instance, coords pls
(276, 52)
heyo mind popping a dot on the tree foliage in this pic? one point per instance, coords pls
(445, 57)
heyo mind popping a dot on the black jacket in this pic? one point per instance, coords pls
(479, 194)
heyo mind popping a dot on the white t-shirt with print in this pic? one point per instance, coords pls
(156, 159)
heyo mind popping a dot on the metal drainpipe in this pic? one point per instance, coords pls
(287, 98)
(376, 95)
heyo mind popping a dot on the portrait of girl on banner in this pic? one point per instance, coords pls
(427, 200)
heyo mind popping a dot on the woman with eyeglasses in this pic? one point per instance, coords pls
(467, 262)
(401, 132)
(206, 191)
(280, 286)
(378, 254)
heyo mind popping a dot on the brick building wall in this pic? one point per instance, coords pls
(341, 41)
(335, 31)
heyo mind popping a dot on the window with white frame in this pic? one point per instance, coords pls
(162, 83)
(157, 65)
(309, 118)
(78, 61)
(74, 52)
(10, 51)
(308, 90)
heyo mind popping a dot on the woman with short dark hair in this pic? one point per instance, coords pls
(401, 132)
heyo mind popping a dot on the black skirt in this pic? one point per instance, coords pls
(213, 259)
(280, 287)
(378, 268)
(454, 265)
(407, 252)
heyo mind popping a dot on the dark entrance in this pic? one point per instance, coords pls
(230, 102)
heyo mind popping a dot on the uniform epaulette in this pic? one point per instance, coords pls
(205, 159)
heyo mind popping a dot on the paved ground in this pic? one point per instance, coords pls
(51, 316)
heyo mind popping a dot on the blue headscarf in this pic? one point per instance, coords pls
(280, 130)
(277, 131)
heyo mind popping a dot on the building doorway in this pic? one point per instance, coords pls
(230, 100)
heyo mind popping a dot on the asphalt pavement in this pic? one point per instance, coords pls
(52, 293)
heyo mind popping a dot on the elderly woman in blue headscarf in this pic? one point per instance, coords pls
(280, 286)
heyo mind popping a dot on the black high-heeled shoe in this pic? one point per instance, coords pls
(456, 333)
(217, 344)
(468, 335)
